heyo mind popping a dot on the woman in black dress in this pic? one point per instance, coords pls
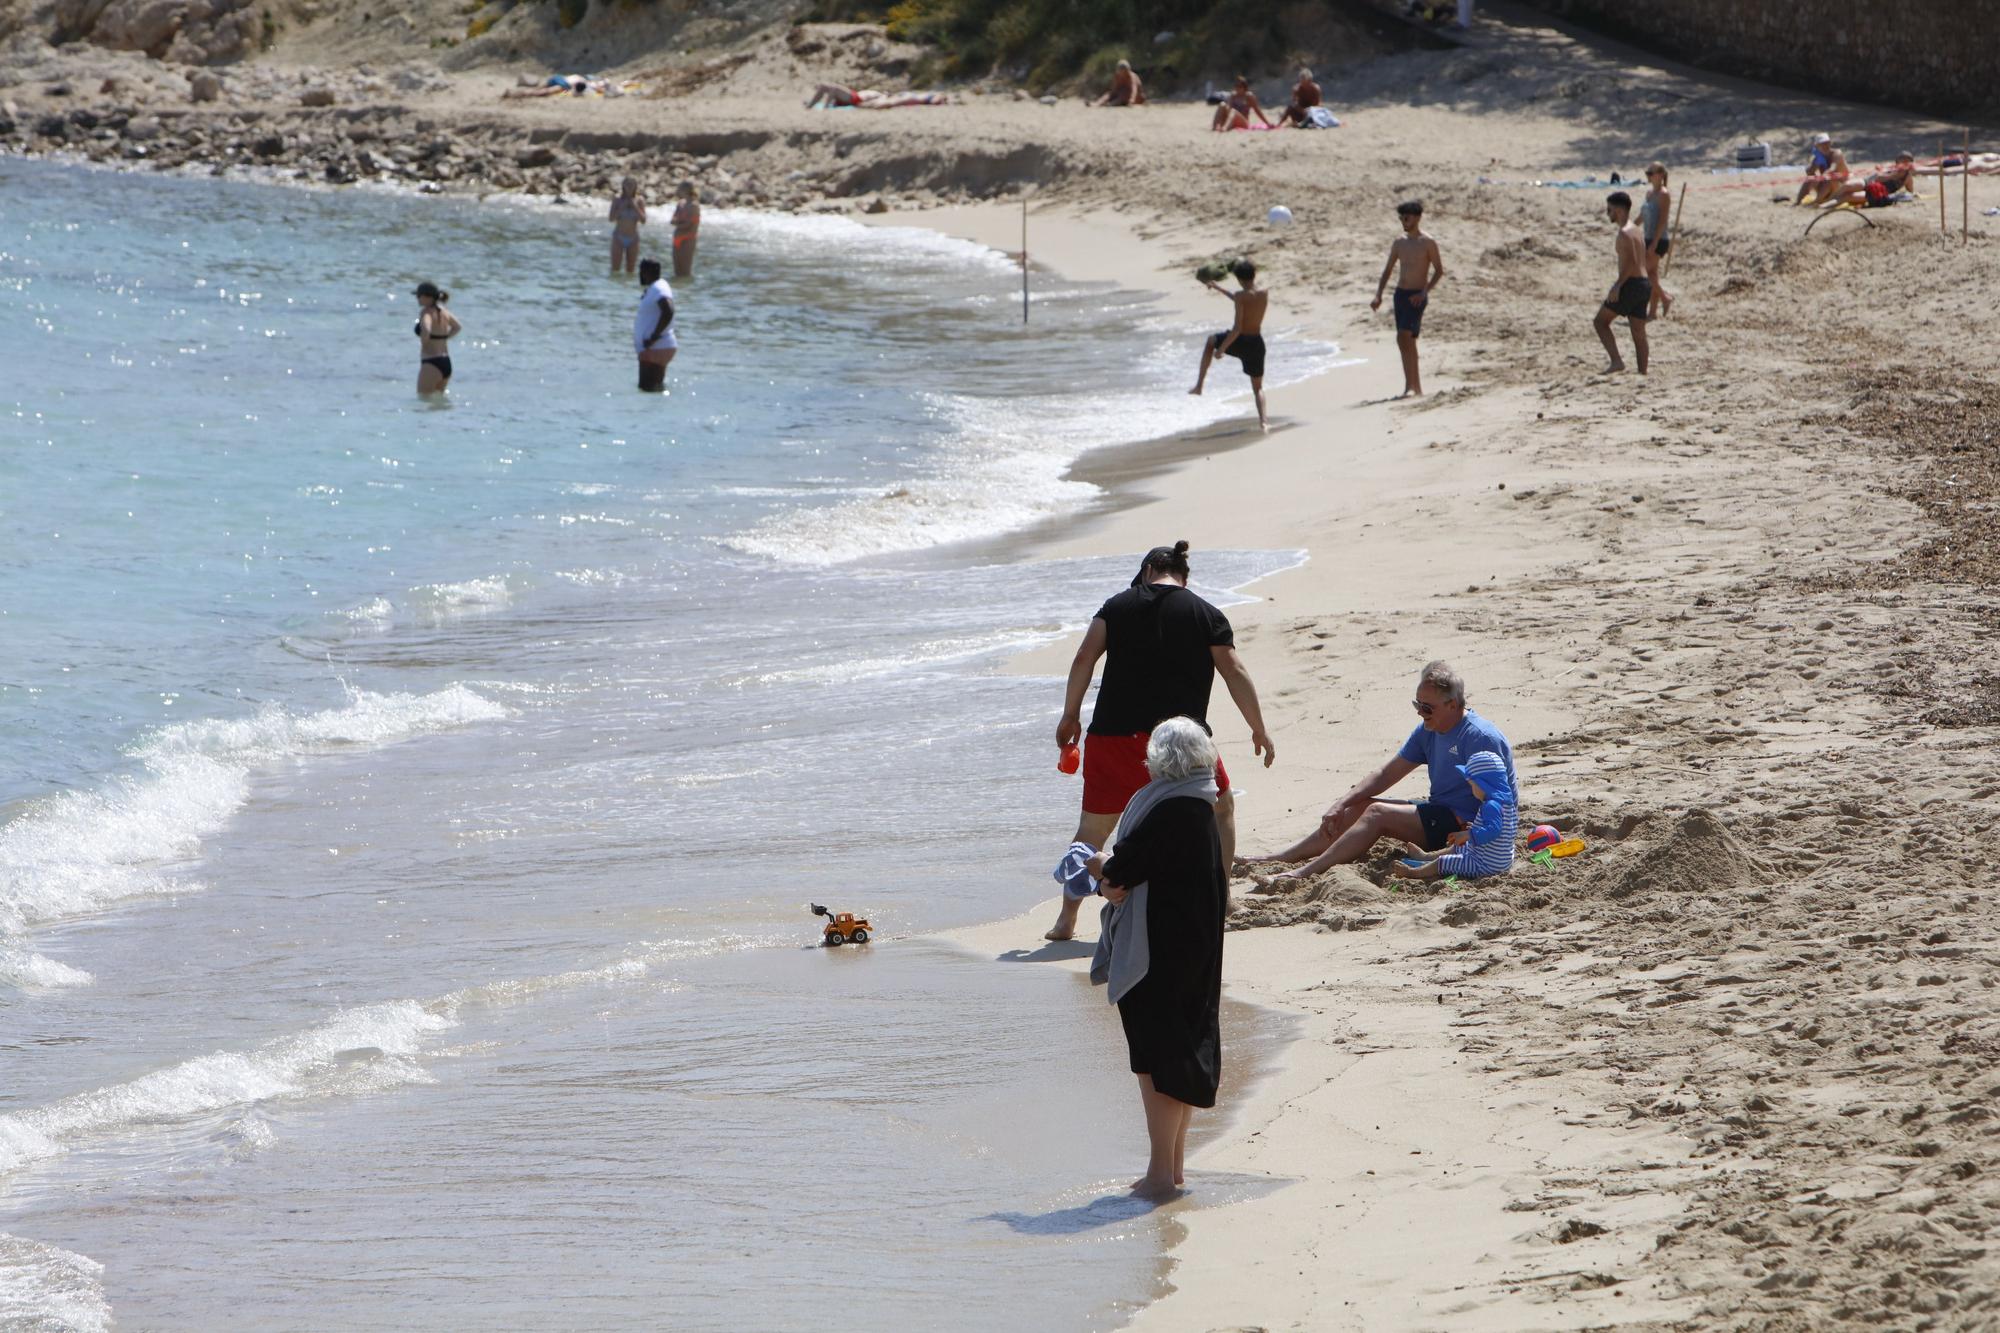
(1165, 878)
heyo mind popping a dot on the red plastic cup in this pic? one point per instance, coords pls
(1070, 761)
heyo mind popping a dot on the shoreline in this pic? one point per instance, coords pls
(1733, 617)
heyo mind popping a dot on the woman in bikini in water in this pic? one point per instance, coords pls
(435, 326)
(687, 222)
(628, 211)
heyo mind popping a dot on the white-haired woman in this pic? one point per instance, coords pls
(1160, 950)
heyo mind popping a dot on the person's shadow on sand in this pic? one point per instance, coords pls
(1053, 951)
(1103, 1211)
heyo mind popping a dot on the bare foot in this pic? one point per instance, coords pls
(1275, 883)
(1196, 391)
(1147, 1187)
(1065, 926)
(1615, 368)
(1666, 304)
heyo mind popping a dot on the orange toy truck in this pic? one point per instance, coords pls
(843, 927)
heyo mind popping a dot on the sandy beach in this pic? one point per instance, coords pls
(1731, 1066)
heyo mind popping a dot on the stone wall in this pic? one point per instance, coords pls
(1941, 56)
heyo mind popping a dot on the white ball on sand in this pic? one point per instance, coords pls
(1279, 216)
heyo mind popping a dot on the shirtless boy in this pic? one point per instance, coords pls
(1631, 294)
(1244, 339)
(1126, 90)
(1422, 269)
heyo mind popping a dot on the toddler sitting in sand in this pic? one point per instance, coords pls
(1486, 846)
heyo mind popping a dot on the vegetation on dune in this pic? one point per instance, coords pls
(1051, 42)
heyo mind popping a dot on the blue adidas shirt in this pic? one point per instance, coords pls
(1444, 751)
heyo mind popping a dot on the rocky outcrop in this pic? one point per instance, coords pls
(187, 32)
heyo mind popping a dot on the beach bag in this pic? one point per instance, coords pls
(1319, 118)
(1754, 155)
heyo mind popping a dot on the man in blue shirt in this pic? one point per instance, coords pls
(1447, 734)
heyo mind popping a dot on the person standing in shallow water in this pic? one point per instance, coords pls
(1160, 953)
(652, 334)
(628, 214)
(1162, 647)
(687, 225)
(435, 327)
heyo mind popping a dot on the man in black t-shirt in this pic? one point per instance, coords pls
(1166, 646)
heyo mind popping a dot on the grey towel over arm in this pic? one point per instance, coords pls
(1123, 954)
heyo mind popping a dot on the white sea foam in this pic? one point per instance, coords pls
(1002, 466)
(21, 968)
(308, 1063)
(444, 601)
(360, 1050)
(72, 854)
(374, 611)
(46, 1288)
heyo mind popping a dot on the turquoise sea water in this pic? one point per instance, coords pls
(407, 810)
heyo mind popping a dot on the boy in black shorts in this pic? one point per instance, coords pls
(1631, 294)
(1422, 268)
(1243, 339)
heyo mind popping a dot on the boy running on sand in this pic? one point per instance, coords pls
(1631, 294)
(1244, 339)
(1422, 269)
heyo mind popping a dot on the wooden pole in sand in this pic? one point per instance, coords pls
(1024, 259)
(1675, 232)
(1965, 188)
(1943, 229)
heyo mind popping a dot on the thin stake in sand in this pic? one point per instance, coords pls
(1024, 259)
(1965, 188)
(1675, 232)
(1943, 228)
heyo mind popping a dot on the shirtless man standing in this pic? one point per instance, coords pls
(1422, 269)
(1631, 294)
(1244, 339)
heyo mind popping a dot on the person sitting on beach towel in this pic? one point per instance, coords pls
(1448, 732)
(1879, 190)
(1486, 845)
(1235, 110)
(1825, 172)
(1305, 96)
(1126, 90)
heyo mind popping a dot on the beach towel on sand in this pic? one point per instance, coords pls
(1123, 952)
(1319, 118)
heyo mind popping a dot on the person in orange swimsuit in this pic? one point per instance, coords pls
(687, 222)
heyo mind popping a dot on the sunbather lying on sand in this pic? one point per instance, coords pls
(1879, 190)
(828, 95)
(557, 84)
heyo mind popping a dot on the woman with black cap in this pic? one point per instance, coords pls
(435, 327)
(1163, 646)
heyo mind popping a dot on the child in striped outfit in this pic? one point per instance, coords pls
(1486, 847)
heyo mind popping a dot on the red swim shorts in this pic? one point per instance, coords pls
(1114, 767)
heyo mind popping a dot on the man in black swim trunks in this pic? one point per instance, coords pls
(1243, 339)
(1422, 268)
(1631, 294)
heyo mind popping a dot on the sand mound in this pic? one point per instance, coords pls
(1698, 855)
